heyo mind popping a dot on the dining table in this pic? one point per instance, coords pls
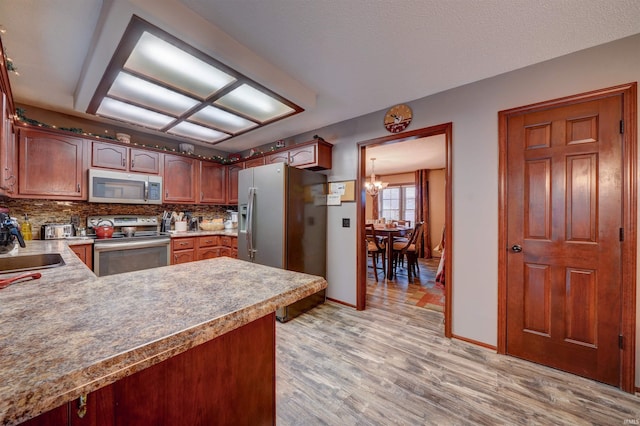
(389, 233)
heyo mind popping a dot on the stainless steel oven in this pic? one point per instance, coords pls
(146, 248)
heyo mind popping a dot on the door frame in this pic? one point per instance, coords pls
(628, 92)
(445, 129)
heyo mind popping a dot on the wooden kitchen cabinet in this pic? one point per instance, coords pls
(279, 157)
(313, 156)
(118, 157)
(212, 183)
(183, 250)
(8, 165)
(179, 179)
(229, 246)
(51, 165)
(208, 247)
(232, 183)
(254, 162)
(85, 253)
(227, 380)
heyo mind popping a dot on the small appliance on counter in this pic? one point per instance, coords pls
(56, 231)
(9, 232)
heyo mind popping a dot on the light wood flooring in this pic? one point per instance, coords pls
(391, 365)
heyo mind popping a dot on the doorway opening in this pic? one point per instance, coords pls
(446, 131)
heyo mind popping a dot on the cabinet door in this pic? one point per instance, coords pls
(212, 183)
(8, 179)
(109, 156)
(183, 256)
(208, 253)
(232, 183)
(144, 161)
(280, 157)
(303, 156)
(179, 179)
(85, 253)
(254, 162)
(51, 166)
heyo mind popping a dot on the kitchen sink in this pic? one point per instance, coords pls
(30, 262)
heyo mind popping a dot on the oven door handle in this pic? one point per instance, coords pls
(113, 246)
(146, 190)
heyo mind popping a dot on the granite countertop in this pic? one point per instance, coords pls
(70, 332)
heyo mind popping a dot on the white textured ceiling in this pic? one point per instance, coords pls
(339, 58)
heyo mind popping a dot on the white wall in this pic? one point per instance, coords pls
(473, 109)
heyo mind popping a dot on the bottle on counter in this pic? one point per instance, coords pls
(25, 228)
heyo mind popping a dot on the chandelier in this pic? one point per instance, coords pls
(374, 186)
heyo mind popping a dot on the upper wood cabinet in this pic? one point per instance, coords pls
(118, 157)
(51, 165)
(8, 163)
(213, 183)
(232, 182)
(180, 179)
(254, 162)
(315, 155)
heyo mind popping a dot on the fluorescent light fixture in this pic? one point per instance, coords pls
(193, 131)
(132, 114)
(222, 120)
(254, 103)
(156, 80)
(164, 62)
(151, 95)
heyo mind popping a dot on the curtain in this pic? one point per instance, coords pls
(422, 211)
(375, 212)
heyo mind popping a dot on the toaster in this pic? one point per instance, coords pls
(56, 231)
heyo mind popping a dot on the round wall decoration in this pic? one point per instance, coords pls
(398, 118)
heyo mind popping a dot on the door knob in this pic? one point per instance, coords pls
(516, 248)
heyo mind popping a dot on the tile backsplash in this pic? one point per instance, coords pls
(49, 211)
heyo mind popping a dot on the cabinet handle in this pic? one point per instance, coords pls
(123, 162)
(133, 163)
(201, 195)
(82, 406)
(77, 187)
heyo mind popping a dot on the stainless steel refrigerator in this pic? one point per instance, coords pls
(282, 222)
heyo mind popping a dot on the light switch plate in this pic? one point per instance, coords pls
(346, 222)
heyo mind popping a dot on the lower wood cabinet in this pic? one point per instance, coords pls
(188, 249)
(85, 253)
(228, 380)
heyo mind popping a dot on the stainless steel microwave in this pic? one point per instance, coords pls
(109, 186)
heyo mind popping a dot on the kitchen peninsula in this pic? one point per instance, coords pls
(183, 344)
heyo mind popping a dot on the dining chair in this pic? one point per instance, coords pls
(375, 248)
(409, 249)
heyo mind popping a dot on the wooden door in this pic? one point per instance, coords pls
(564, 220)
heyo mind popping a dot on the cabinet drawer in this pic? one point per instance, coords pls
(209, 241)
(182, 243)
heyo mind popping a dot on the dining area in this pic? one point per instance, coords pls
(393, 245)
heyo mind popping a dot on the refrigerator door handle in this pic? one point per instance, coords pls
(250, 250)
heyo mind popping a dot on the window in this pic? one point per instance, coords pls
(398, 203)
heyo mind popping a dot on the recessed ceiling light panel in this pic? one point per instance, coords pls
(223, 120)
(157, 80)
(193, 131)
(165, 62)
(254, 103)
(132, 114)
(151, 95)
